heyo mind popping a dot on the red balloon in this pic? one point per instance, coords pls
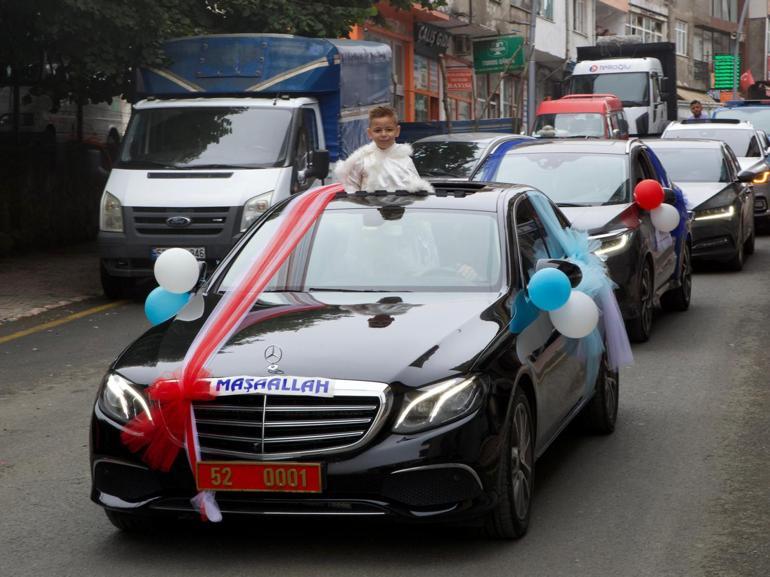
(649, 194)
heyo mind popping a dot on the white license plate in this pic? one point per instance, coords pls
(198, 252)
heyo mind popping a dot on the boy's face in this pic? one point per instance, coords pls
(696, 109)
(383, 131)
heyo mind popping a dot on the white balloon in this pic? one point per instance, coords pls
(665, 218)
(534, 336)
(193, 310)
(578, 317)
(176, 270)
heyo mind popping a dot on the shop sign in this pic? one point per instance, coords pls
(499, 54)
(459, 79)
(429, 40)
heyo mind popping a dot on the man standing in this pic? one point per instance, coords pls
(697, 110)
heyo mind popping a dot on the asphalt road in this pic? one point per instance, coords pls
(681, 488)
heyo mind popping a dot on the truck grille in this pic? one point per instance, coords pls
(204, 221)
(256, 427)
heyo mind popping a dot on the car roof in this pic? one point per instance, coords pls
(581, 103)
(741, 125)
(683, 142)
(476, 196)
(480, 137)
(597, 146)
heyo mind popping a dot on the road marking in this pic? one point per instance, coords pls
(56, 323)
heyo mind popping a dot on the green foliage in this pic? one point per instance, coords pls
(88, 49)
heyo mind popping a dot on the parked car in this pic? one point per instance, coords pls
(718, 192)
(455, 156)
(593, 182)
(434, 416)
(748, 144)
(581, 116)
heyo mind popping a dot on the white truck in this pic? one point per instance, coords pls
(643, 76)
(235, 124)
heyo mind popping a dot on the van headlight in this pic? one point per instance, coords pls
(110, 214)
(612, 243)
(120, 399)
(254, 207)
(438, 404)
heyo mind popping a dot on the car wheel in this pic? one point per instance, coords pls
(639, 328)
(601, 413)
(516, 475)
(736, 262)
(748, 247)
(678, 299)
(131, 522)
(114, 287)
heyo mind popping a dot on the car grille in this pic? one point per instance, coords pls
(257, 427)
(204, 221)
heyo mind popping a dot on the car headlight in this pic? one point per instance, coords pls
(762, 178)
(612, 243)
(438, 404)
(255, 207)
(120, 399)
(110, 214)
(715, 213)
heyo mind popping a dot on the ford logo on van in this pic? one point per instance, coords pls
(178, 221)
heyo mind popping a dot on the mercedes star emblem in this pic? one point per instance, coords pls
(273, 354)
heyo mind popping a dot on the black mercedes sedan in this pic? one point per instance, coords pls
(377, 374)
(593, 183)
(719, 194)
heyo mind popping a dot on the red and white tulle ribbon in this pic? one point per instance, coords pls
(171, 422)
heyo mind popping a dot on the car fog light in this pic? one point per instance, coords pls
(120, 399)
(438, 404)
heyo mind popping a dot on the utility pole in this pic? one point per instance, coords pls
(737, 46)
(532, 71)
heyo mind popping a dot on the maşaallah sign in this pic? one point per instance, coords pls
(498, 54)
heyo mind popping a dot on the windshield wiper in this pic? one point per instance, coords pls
(571, 204)
(210, 166)
(346, 290)
(148, 163)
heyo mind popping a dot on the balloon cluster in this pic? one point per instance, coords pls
(176, 271)
(649, 196)
(573, 313)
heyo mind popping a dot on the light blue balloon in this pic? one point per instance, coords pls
(161, 304)
(549, 289)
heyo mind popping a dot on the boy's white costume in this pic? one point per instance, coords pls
(370, 168)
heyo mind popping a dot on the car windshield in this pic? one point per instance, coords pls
(693, 164)
(206, 137)
(452, 159)
(392, 248)
(566, 125)
(630, 87)
(741, 141)
(758, 116)
(568, 178)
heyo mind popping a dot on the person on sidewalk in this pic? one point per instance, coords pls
(697, 111)
(382, 164)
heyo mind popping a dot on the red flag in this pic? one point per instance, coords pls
(747, 79)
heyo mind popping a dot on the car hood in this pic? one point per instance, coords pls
(696, 193)
(593, 218)
(411, 338)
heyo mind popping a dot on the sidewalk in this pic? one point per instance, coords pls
(36, 282)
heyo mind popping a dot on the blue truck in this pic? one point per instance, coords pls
(231, 125)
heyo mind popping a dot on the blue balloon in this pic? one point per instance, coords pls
(523, 313)
(161, 304)
(549, 289)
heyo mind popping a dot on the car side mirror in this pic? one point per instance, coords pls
(669, 196)
(203, 274)
(573, 272)
(747, 175)
(318, 164)
(616, 133)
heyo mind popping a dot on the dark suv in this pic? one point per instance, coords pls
(593, 182)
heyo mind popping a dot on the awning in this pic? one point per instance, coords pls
(689, 95)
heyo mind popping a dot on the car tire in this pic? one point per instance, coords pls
(748, 247)
(601, 413)
(131, 522)
(736, 262)
(678, 299)
(640, 327)
(114, 287)
(516, 475)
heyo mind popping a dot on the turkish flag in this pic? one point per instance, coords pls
(747, 79)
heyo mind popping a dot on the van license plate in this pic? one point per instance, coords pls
(198, 252)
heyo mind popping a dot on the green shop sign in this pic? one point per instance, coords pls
(499, 54)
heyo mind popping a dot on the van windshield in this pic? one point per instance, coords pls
(206, 137)
(631, 87)
(569, 125)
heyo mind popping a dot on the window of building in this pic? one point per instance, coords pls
(725, 10)
(545, 10)
(681, 38)
(647, 28)
(579, 17)
(426, 88)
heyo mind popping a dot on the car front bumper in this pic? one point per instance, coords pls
(715, 239)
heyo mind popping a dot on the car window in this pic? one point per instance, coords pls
(754, 148)
(529, 239)
(735, 166)
(451, 159)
